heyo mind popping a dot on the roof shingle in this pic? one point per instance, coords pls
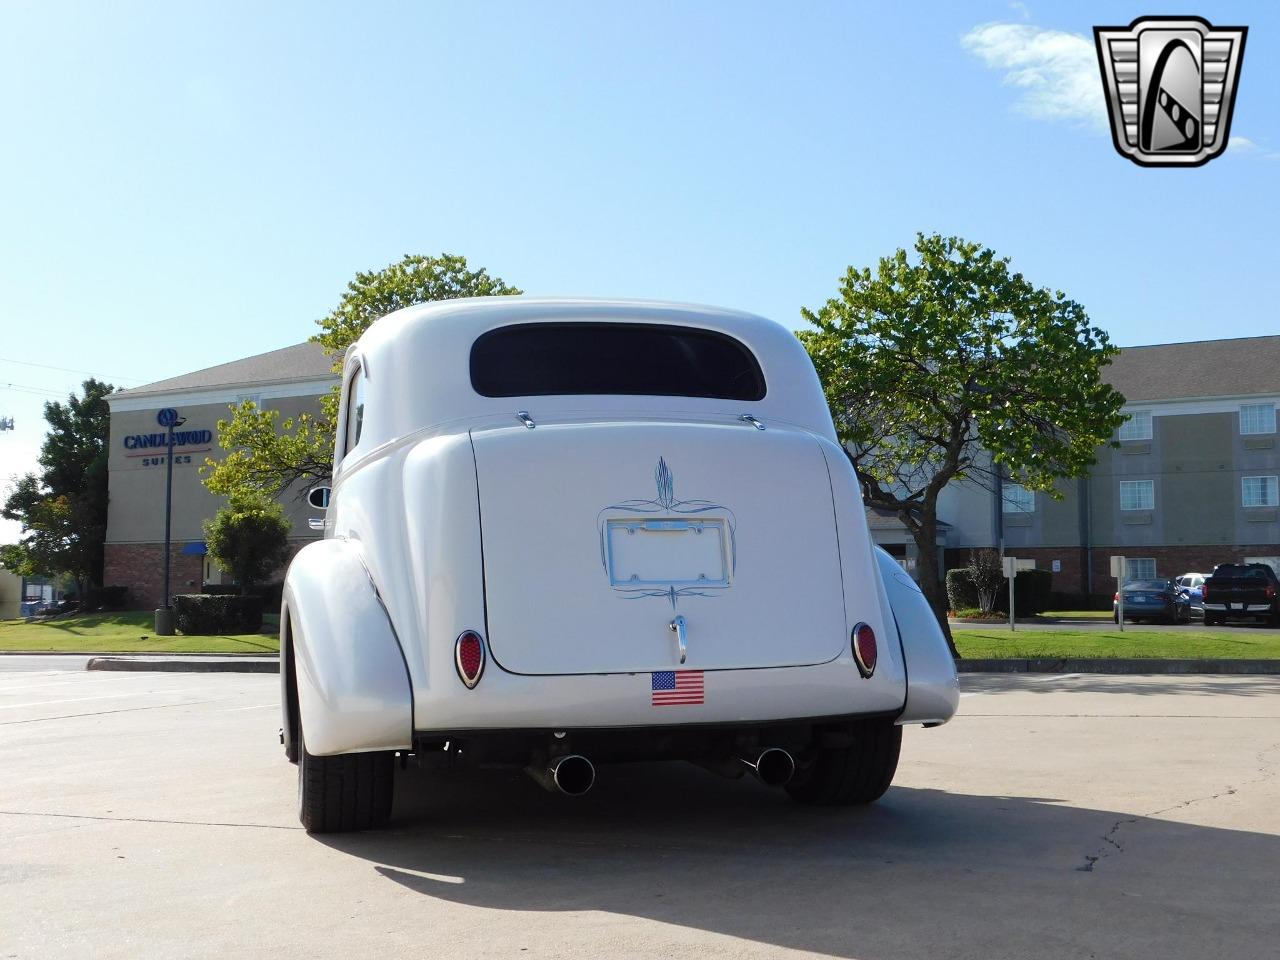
(1246, 366)
(302, 361)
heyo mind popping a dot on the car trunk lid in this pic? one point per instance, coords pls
(597, 536)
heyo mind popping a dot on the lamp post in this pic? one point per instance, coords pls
(167, 418)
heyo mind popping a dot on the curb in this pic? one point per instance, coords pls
(205, 663)
(1118, 665)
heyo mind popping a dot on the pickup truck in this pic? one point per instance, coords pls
(1242, 590)
(567, 533)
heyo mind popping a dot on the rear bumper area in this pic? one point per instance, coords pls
(697, 743)
(504, 701)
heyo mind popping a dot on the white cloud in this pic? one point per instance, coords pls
(1055, 72)
(1244, 147)
(1021, 8)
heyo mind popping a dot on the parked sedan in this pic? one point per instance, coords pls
(1152, 600)
(1193, 585)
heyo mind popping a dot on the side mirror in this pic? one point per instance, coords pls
(318, 497)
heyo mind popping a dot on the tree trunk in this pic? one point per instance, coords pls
(925, 533)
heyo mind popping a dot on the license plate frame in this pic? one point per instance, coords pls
(667, 552)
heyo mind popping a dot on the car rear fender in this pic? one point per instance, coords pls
(933, 689)
(353, 692)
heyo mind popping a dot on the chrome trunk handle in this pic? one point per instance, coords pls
(677, 626)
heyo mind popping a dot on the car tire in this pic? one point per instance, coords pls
(849, 775)
(345, 792)
(1212, 619)
(290, 735)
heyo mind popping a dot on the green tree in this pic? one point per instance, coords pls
(947, 366)
(267, 453)
(249, 537)
(63, 508)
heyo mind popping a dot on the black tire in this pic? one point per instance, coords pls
(292, 733)
(345, 792)
(856, 774)
(1212, 619)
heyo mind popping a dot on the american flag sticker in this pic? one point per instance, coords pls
(677, 688)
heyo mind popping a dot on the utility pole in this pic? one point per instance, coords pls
(167, 418)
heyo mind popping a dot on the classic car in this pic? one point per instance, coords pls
(569, 533)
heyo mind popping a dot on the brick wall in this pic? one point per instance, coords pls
(140, 567)
(1175, 561)
(1069, 579)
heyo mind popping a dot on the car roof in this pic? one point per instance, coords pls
(421, 356)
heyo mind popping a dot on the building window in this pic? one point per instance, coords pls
(1137, 494)
(1260, 492)
(1137, 427)
(1018, 499)
(254, 398)
(1258, 418)
(1140, 568)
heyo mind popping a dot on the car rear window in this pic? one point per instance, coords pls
(545, 359)
(1147, 585)
(1238, 572)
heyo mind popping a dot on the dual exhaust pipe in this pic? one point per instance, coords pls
(772, 766)
(573, 774)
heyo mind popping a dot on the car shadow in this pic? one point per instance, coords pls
(922, 873)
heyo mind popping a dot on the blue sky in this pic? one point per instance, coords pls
(188, 184)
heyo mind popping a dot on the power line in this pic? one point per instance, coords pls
(23, 388)
(46, 366)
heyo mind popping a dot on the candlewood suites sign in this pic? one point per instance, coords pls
(181, 438)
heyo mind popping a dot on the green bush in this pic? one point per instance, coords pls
(104, 598)
(961, 593)
(249, 537)
(1080, 601)
(1033, 593)
(201, 614)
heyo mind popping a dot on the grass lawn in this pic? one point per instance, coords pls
(120, 633)
(984, 642)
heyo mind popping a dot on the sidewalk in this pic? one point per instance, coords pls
(187, 663)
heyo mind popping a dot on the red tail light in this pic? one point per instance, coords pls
(1204, 590)
(469, 657)
(864, 649)
(1271, 591)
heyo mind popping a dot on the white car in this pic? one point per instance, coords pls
(564, 533)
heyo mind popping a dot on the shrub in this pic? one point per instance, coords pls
(987, 573)
(961, 592)
(1080, 601)
(272, 595)
(105, 598)
(201, 614)
(220, 590)
(1033, 591)
(249, 537)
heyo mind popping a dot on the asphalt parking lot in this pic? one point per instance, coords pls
(151, 815)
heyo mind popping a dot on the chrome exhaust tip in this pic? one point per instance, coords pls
(772, 766)
(572, 774)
